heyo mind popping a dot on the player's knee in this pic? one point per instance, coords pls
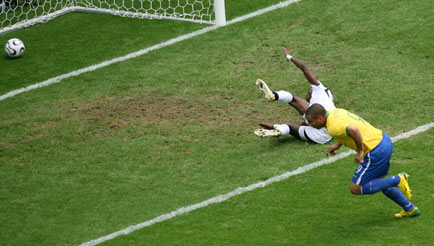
(355, 192)
(355, 189)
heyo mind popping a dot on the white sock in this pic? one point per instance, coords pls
(284, 96)
(284, 128)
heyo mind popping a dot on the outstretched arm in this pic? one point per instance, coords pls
(307, 73)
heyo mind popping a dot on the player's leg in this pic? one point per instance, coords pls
(369, 178)
(298, 130)
(282, 96)
(264, 88)
(396, 195)
(267, 125)
(277, 130)
(271, 130)
(298, 103)
(372, 186)
(389, 187)
(294, 129)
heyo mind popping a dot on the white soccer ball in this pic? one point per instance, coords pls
(14, 48)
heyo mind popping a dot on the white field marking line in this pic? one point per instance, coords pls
(241, 190)
(143, 51)
(106, 63)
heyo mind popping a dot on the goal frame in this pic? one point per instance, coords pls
(219, 12)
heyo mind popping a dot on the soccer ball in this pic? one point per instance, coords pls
(14, 48)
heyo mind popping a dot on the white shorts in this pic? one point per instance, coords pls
(308, 133)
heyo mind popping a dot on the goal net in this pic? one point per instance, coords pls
(22, 13)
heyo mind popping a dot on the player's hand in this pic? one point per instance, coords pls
(331, 149)
(287, 55)
(285, 51)
(359, 157)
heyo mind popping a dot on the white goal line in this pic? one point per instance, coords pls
(241, 190)
(59, 78)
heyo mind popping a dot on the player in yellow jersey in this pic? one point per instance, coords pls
(373, 152)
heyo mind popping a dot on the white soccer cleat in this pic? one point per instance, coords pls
(264, 133)
(264, 87)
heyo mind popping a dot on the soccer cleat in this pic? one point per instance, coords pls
(264, 87)
(263, 133)
(412, 213)
(403, 185)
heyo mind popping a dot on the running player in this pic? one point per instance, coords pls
(318, 93)
(373, 152)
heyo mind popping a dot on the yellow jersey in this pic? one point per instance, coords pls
(339, 119)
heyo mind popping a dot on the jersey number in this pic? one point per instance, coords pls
(356, 117)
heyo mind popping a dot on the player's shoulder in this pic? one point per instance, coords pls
(338, 112)
(337, 122)
(319, 86)
(338, 117)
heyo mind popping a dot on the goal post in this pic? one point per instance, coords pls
(220, 12)
(16, 14)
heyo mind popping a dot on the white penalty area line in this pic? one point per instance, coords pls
(242, 190)
(143, 51)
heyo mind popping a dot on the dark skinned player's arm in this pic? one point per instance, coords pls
(355, 134)
(307, 73)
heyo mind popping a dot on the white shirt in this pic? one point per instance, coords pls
(322, 95)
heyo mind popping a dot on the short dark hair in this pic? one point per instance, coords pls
(316, 110)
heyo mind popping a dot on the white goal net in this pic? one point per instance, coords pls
(22, 13)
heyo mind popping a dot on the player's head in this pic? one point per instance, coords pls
(309, 95)
(316, 115)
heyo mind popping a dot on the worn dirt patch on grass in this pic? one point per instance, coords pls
(117, 111)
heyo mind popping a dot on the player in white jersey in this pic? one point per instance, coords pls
(318, 93)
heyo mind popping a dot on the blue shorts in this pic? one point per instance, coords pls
(376, 162)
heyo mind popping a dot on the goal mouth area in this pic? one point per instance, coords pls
(202, 12)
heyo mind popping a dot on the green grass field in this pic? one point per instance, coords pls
(126, 143)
